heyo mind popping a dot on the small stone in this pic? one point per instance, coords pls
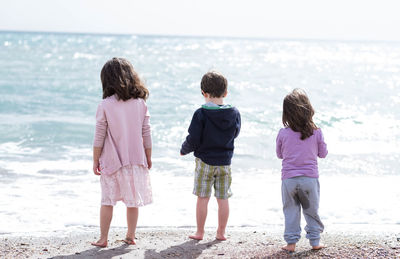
(45, 250)
(398, 239)
(221, 254)
(255, 232)
(77, 253)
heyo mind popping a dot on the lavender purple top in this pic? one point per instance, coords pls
(300, 156)
(123, 130)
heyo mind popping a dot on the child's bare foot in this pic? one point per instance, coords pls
(318, 247)
(197, 236)
(289, 247)
(220, 236)
(102, 242)
(129, 241)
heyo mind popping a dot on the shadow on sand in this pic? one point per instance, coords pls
(188, 249)
(97, 253)
(285, 254)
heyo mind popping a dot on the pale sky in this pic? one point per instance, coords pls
(297, 19)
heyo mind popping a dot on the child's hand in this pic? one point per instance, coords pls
(149, 163)
(96, 168)
(147, 151)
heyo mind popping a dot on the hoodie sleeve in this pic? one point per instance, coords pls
(193, 140)
(238, 124)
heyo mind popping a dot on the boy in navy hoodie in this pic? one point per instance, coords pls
(212, 131)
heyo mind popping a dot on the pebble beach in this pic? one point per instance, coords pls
(174, 243)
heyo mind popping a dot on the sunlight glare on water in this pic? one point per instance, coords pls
(50, 87)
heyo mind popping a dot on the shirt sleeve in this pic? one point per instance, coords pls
(279, 146)
(322, 149)
(193, 140)
(146, 130)
(101, 127)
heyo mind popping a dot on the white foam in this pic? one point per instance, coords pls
(69, 201)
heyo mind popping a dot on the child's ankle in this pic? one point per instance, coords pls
(200, 232)
(314, 242)
(221, 231)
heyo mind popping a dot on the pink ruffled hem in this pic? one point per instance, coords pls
(130, 184)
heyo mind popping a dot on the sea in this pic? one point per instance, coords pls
(50, 88)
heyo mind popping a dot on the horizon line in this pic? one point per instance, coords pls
(197, 36)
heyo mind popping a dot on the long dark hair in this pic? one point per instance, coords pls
(298, 112)
(118, 77)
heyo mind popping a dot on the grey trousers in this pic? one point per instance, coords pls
(301, 192)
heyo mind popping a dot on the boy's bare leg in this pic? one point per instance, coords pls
(289, 247)
(223, 215)
(132, 215)
(201, 215)
(105, 221)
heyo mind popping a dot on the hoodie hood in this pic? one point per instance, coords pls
(223, 117)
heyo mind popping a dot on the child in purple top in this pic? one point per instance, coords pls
(299, 144)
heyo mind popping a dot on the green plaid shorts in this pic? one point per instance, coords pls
(207, 176)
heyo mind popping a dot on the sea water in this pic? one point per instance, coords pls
(50, 87)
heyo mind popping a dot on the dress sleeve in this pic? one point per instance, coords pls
(146, 130)
(101, 127)
(279, 146)
(322, 149)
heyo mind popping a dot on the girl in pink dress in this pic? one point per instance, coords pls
(122, 146)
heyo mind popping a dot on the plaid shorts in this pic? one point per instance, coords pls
(207, 176)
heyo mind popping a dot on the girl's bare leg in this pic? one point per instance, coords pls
(132, 215)
(106, 213)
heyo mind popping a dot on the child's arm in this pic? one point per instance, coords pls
(279, 146)
(99, 136)
(238, 124)
(147, 151)
(322, 149)
(193, 140)
(96, 157)
(146, 135)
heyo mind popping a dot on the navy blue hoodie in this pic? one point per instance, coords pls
(212, 133)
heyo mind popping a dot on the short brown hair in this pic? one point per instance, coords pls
(298, 112)
(214, 83)
(118, 77)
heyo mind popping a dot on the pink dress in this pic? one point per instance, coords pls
(123, 132)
